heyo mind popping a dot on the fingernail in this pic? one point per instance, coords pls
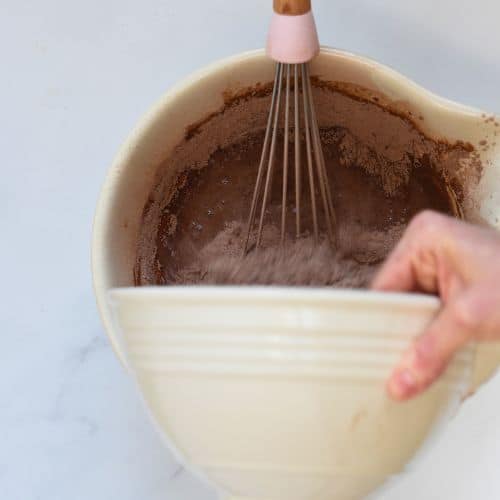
(402, 384)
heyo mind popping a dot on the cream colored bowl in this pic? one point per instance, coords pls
(278, 394)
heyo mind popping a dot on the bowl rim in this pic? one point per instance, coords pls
(303, 295)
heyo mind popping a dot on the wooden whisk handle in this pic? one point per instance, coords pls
(292, 7)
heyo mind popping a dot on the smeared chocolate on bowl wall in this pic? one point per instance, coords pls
(382, 170)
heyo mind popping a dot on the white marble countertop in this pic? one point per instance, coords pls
(75, 78)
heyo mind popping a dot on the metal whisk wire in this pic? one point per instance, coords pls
(316, 167)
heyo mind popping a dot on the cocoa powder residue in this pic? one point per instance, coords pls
(382, 169)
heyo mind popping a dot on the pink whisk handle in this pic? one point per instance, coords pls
(292, 35)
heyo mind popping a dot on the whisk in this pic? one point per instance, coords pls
(292, 43)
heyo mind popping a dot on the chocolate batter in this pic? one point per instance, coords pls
(379, 179)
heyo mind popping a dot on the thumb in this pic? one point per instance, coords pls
(431, 353)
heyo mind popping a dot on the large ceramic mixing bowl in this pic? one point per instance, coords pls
(276, 393)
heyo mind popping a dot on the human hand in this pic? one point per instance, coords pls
(460, 263)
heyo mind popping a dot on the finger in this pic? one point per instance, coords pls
(412, 267)
(396, 274)
(413, 264)
(431, 353)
